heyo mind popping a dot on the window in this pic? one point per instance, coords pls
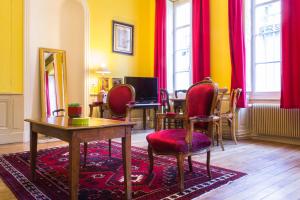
(178, 44)
(263, 44)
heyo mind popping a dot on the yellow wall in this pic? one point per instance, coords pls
(11, 46)
(140, 13)
(219, 40)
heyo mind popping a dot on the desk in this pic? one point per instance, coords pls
(98, 129)
(146, 106)
(102, 106)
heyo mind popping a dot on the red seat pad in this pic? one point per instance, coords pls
(118, 118)
(171, 114)
(173, 140)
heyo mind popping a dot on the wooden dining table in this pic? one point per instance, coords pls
(97, 129)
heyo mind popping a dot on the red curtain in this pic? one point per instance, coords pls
(290, 67)
(160, 49)
(237, 49)
(201, 40)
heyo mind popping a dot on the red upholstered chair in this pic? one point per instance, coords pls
(171, 119)
(200, 104)
(230, 115)
(118, 99)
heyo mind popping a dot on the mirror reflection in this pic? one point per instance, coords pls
(53, 82)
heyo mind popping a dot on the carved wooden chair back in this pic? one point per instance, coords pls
(234, 97)
(164, 100)
(201, 100)
(177, 92)
(117, 99)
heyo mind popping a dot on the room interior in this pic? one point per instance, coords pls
(155, 99)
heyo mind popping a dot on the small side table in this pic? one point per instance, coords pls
(97, 104)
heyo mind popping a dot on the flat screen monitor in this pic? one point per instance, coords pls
(145, 88)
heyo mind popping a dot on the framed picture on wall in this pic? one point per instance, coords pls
(122, 38)
(116, 81)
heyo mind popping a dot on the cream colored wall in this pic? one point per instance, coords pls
(55, 24)
(11, 46)
(139, 13)
(219, 41)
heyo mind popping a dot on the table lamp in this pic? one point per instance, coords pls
(102, 70)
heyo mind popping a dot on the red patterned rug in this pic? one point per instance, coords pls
(102, 178)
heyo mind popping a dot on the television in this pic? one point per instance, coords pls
(145, 88)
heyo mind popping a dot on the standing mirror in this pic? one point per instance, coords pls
(53, 82)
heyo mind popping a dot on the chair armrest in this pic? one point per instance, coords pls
(211, 118)
(195, 119)
(57, 111)
(171, 116)
(128, 112)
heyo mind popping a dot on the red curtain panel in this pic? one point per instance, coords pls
(290, 68)
(201, 40)
(160, 49)
(237, 49)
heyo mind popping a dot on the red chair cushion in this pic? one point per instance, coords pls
(170, 114)
(118, 99)
(173, 140)
(199, 102)
(118, 118)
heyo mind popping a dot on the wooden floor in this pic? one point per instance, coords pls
(273, 169)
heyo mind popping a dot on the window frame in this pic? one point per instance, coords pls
(253, 95)
(176, 4)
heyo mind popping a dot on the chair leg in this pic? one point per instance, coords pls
(213, 138)
(84, 153)
(217, 131)
(150, 155)
(208, 164)
(180, 161)
(190, 163)
(109, 147)
(220, 135)
(233, 129)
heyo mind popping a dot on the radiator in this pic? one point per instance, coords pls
(270, 120)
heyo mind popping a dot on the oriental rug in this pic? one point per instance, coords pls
(102, 177)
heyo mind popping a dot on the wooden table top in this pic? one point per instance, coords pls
(222, 91)
(64, 123)
(177, 99)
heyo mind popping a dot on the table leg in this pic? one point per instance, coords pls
(33, 152)
(155, 120)
(91, 110)
(74, 158)
(126, 150)
(101, 111)
(144, 118)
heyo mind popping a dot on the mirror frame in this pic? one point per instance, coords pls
(42, 80)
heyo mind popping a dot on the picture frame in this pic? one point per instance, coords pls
(122, 38)
(116, 81)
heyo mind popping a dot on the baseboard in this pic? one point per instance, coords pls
(12, 137)
(285, 140)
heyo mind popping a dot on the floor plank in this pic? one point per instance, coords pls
(273, 169)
